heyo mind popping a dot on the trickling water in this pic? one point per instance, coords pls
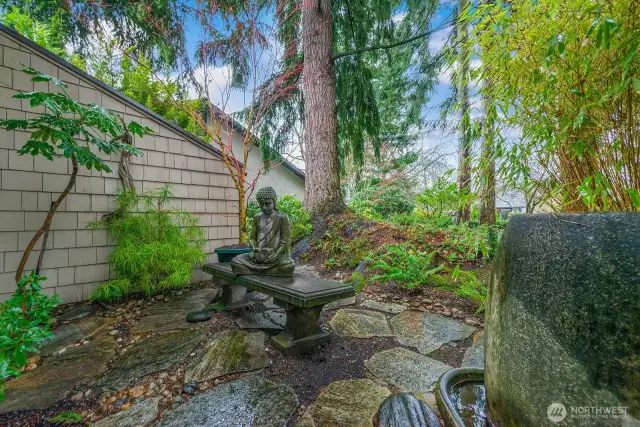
(470, 401)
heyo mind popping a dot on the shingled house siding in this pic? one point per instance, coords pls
(75, 261)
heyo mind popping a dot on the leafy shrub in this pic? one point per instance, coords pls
(381, 199)
(418, 218)
(156, 249)
(404, 265)
(25, 320)
(453, 242)
(299, 217)
(46, 33)
(364, 209)
(443, 198)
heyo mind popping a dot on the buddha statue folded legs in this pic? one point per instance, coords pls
(245, 264)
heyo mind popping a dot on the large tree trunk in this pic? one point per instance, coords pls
(322, 182)
(464, 147)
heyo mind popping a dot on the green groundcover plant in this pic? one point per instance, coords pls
(465, 284)
(407, 266)
(25, 320)
(156, 248)
(67, 418)
(404, 265)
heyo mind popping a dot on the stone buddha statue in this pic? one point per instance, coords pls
(270, 240)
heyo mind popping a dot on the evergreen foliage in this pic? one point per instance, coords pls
(46, 34)
(465, 284)
(380, 199)
(443, 198)
(25, 322)
(67, 418)
(341, 253)
(156, 248)
(168, 98)
(380, 93)
(154, 28)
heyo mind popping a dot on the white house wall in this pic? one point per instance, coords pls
(280, 178)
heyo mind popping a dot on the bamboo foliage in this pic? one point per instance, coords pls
(156, 247)
(567, 76)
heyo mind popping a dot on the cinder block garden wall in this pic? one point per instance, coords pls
(75, 261)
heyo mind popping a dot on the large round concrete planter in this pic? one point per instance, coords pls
(563, 320)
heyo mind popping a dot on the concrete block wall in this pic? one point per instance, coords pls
(75, 260)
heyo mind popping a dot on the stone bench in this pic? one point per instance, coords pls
(302, 296)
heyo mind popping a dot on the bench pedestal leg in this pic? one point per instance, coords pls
(233, 296)
(301, 331)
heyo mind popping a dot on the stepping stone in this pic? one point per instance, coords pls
(407, 370)
(428, 332)
(68, 334)
(384, 306)
(76, 313)
(190, 301)
(139, 415)
(250, 401)
(345, 403)
(154, 354)
(339, 303)
(57, 376)
(162, 322)
(360, 324)
(474, 356)
(229, 352)
(269, 321)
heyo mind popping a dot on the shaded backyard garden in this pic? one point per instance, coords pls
(165, 165)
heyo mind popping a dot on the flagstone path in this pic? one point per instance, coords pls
(142, 364)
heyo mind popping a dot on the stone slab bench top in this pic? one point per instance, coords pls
(301, 290)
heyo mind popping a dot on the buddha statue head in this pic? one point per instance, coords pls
(266, 197)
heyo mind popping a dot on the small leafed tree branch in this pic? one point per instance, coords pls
(48, 219)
